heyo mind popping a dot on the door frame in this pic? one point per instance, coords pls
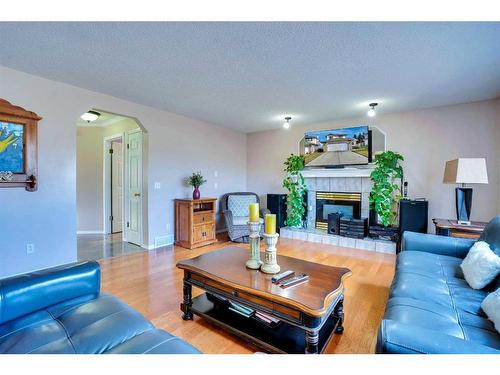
(106, 182)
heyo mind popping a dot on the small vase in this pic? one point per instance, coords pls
(196, 193)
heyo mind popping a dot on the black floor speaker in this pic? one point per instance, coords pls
(276, 203)
(334, 223)
(413, 215)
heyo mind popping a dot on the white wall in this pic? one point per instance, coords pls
(498, 149)
(426, 138)
(47, 218)
(89, 179)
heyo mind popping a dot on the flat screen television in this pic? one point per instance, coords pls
(337, 148)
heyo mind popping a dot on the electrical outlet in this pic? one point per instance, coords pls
(216, 174)
(157, 185)
(30, 248)
(216, 185)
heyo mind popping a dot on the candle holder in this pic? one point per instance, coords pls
(254, 261)
(270, 260)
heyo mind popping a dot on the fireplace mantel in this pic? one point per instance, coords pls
(338, 172)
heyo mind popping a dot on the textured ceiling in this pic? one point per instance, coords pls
(248, 76)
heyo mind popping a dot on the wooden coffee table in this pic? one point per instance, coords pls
(308, 313)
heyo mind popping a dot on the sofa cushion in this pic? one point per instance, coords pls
(429, 292)
(153, 342)
(491, 306)
(491, 234)
(238, 204)
(481, 265)
(86, 325)
(23, 294)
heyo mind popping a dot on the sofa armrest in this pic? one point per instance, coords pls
(442, 245)
(228, 217)
(27, 293)
(399, 338)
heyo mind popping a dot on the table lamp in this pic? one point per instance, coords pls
(465, 171)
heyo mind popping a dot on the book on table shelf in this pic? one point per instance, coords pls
(244, 311)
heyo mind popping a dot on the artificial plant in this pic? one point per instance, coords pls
(196, 180)
(386, 193)
(294, 183)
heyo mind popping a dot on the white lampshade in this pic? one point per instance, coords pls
(466, 171)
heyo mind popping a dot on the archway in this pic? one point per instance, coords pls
(111, 186)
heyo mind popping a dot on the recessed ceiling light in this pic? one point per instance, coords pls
(371, 111)
(286, 124)
(90, 116)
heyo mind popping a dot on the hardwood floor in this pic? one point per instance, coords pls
(150, 282)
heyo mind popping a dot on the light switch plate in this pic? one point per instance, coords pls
(30, 248)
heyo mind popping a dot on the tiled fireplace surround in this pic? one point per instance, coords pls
(347, 180)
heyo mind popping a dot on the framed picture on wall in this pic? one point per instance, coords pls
(18, 147)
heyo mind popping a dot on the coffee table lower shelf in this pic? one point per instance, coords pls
(284, 338)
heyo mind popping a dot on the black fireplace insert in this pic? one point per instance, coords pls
(348, 204)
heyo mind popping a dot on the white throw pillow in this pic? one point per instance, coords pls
(491, 307)
(480, 266)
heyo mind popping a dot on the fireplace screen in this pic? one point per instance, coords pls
(348, 204)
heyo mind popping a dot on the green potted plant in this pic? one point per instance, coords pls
(386, 193)
(196, 180)
(294, 183)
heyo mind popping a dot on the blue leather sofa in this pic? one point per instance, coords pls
(431, 308)
(61, 310)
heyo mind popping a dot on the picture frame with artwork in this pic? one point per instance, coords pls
(18, 147)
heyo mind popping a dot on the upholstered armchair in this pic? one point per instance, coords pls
(234, 207)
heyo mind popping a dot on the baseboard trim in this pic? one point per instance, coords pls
(160, 241)
(90, 232)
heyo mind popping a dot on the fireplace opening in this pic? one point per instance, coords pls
(347, 204)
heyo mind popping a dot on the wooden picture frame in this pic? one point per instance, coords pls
(27, 172)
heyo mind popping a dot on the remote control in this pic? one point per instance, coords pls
(277, 278)
(295, 280)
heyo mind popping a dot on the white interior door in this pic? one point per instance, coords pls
(117, 186)
(134, 188)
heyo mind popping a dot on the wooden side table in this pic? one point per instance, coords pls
(446, 227)
(195, 222)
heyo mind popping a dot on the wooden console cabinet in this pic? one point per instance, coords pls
(195, 222)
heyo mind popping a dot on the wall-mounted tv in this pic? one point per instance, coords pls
(337, 148)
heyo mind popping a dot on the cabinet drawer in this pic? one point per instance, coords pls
(202, 218)
(203, 232)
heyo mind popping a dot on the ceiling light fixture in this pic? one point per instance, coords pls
(371, 111)
(286, 124)
(90, 116)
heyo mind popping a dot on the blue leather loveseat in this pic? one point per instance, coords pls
(431, 308)
(61, 310)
